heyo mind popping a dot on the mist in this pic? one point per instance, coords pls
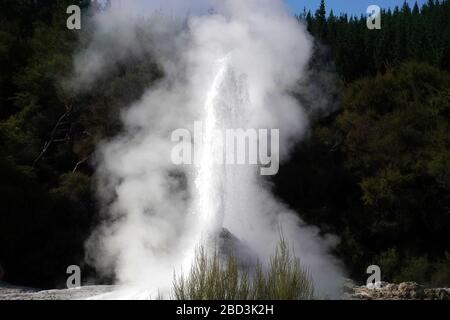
(252, 54)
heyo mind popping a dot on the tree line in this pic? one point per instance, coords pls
(376, 171)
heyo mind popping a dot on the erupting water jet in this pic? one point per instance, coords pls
(155, 219)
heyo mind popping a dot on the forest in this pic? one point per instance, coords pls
(373, 169)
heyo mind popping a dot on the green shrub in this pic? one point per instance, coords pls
(420, 269)
(389, 263)
(441, 274)
(417, 269)
(210, 278)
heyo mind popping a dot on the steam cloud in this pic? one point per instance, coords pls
(151, 227)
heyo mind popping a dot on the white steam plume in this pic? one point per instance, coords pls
(154, 220)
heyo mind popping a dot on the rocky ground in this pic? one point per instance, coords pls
(392, 291)
(9, 292)
(352, 291)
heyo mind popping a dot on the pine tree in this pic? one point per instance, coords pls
(321, 21)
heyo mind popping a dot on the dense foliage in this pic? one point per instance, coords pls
(375, 172)
(214, 277)
(406, 33)
(47, 138)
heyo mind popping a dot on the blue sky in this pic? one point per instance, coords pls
(352, 7)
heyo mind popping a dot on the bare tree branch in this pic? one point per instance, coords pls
(53, 139)
(79, 163)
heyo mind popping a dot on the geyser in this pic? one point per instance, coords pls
(231, 69)
(210, 177)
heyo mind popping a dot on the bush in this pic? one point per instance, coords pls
(210, 278)
(441, 275)
(420, 269)
(417, 269)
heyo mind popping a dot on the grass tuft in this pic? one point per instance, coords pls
(211, 278)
